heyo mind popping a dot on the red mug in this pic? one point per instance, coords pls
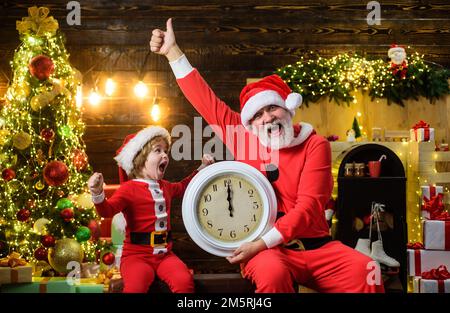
(374, 168)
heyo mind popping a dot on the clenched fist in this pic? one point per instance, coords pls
(163, 42)
(95, 184)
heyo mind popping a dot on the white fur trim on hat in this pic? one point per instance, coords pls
(391, 51)
(259, 101)
(131, 149)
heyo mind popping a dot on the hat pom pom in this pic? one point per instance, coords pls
(293, 101)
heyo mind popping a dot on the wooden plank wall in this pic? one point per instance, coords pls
(228, 41)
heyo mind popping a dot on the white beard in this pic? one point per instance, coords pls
(275, 142)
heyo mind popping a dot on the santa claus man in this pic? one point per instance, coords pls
(298, 248)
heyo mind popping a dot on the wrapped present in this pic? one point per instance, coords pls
(14, 269)
(89, 285)
(90, 270)
(42, 285)
(420, 260)
(421, 132)
(431, 200)
(434, 281)
(436, 233)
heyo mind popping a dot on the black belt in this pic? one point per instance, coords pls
(155, 238)
(308, 243)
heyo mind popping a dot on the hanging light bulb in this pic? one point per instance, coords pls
(94, 97)
(79, 97)
(155, 112)
(110, 86)
(140, 90)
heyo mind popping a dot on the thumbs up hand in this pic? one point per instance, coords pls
(163, 42)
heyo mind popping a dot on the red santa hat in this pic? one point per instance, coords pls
(395, 48)
(271, 90)
(132, 145)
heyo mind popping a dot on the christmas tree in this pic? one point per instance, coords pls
(45, 207)
(356, 128)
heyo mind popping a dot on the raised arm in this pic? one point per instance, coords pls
(196, 90)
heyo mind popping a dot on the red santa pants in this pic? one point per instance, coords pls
(334, 267)
(139, 270)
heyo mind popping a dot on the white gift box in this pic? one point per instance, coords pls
(420, 135)
(421, 285)
(427, 193)
(436, 235)
(420, 261)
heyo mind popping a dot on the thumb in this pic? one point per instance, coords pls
(169, 27)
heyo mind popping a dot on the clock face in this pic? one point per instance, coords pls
(229, 208)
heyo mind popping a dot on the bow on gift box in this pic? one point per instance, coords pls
(440, 273)
(12, 260)
(415, 246)
(434, 206)
(421, 124)
(37, 22)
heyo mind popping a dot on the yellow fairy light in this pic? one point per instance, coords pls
(79, 97)
(155, 112)
(140, 89)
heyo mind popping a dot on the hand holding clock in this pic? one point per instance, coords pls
(247, 251)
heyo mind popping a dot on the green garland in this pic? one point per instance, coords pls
(338, 77)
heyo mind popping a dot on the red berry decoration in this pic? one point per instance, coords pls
(8, 174)
(56, 173)
(48, 241)
(108, 258)
(95, 229)
(41, 67)
(67, 214)
(47, 134)
(23, 215)
(41, 254)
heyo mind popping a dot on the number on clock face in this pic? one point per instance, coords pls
(229, 208)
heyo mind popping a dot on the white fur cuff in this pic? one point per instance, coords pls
(98, 198)
(272, 238)
(181, 67)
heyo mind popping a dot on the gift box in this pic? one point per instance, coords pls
(429, 194)
(436, 235)
(420, 260)
(42, 285)
(14, 275)
(89, 285)
(421, 132)
(437, 280)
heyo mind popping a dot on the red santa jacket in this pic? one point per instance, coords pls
(145, 205)
(305, 182)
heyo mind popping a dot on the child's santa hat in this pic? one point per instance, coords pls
(132, 145)
(271, 90)
(395, 48)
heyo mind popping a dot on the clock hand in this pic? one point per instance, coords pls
(230, 207)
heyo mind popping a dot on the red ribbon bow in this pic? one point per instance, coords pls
(440, 273)
(415, 246)
(421, 124)
(434, 206)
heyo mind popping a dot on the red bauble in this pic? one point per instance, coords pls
(23, 215)
(47, 134)
(56, 173)
(41, 254)
(79, 159)
(95, 229)
(41, 67)
(108, 258)
(8, 174)
(48, 241)
(67, 214)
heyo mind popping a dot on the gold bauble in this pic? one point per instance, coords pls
(22, 140)
(39, 186)
(65, 251)
(40, 225)
(38, 102)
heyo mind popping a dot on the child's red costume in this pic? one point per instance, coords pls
(146, 204)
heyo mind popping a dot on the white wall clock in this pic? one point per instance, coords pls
(226, 204)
